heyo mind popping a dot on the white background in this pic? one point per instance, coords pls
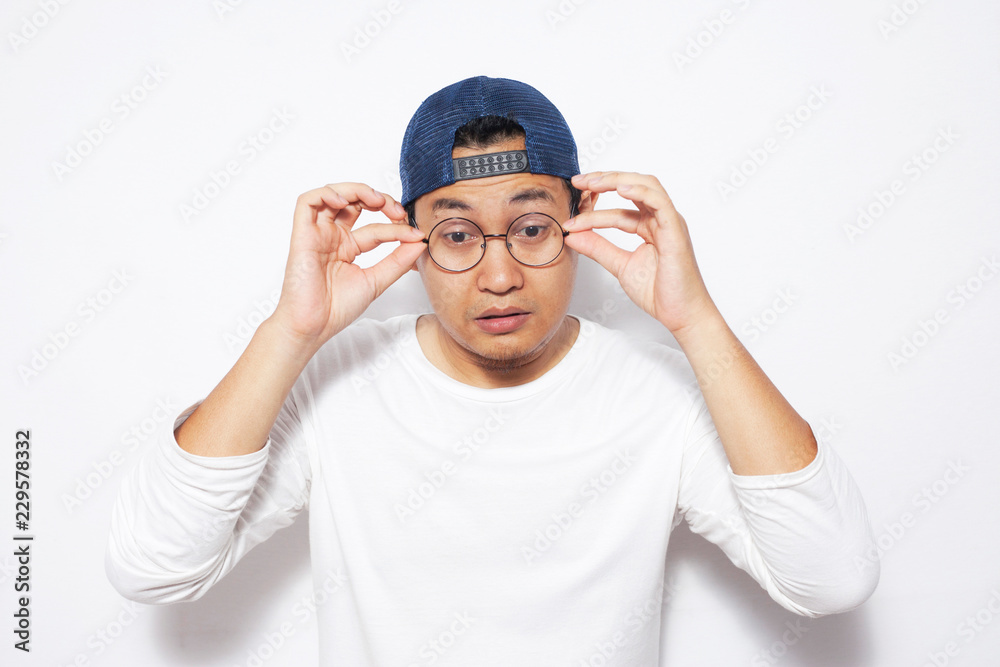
(171, 327)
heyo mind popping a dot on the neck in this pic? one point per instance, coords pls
(468, 367)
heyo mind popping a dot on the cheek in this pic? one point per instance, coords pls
(571, 255)
(567, 274)
(559, 293)
(443, 291)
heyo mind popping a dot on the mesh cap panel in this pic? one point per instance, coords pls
(425, 159)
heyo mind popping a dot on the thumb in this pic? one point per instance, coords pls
(599, 249)
(391, 268)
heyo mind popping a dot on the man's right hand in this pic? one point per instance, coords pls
(323, 290)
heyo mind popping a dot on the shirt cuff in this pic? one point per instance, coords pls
(193, 463)
(784, 479)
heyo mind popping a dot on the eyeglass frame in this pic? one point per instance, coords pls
(486, 237)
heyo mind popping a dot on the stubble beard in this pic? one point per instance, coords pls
(503, 360)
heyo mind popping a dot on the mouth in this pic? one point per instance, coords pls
(502, 320)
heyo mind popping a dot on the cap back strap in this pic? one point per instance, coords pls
(490, 164)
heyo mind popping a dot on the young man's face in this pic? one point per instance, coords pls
(531, 300)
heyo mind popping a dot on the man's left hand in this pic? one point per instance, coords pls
(661, 275)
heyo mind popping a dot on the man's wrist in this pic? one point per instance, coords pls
(288, 345)
(710, 325)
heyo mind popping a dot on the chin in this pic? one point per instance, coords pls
(505, 355)
(503, 362)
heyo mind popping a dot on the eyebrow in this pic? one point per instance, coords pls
(529, 195)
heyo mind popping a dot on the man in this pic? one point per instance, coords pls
(494, 482)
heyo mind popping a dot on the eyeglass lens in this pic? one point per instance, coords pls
(457, 244)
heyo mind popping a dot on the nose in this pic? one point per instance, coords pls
(498, 271)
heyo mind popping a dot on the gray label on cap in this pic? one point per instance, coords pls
(490, 164)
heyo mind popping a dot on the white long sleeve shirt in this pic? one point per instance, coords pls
(523, 525)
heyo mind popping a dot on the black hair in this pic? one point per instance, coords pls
(487, 131)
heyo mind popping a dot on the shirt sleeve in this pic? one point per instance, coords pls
(181, 522)
(804, 535)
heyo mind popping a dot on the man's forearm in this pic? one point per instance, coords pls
(761, 433)
(237, 416)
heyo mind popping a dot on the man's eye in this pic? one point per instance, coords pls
(532, 232)
(457, 237)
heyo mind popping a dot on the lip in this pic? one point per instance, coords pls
(501, 320)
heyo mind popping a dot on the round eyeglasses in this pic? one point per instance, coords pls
(533, 239)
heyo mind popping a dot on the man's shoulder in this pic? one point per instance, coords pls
(379, 329)
(633, 352)
(368, 337)
(628, 341)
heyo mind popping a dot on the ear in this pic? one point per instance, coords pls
(587, 200)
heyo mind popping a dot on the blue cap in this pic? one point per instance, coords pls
(425, 161)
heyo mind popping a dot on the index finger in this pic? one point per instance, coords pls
(309, 204)
(641, 189)
(606, 218)
(364, 197)
(393, 209)
(344, 202)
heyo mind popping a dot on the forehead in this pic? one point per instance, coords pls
(501, 192)
(497, 193)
